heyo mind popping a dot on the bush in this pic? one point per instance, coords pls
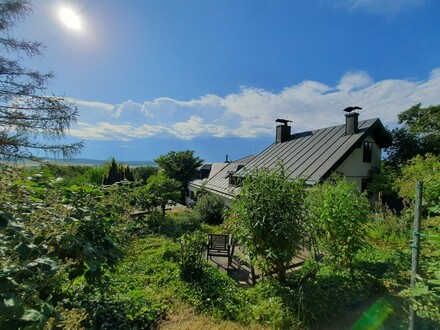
(270, 216)
(211, 208)
(338, 212)
(385, 227)
(191, 249)
(216, 293)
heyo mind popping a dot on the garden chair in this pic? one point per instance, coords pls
(218, 245)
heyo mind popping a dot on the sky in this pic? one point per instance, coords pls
(151, 76)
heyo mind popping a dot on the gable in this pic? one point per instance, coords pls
(314, 155)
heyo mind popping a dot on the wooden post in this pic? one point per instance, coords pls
(415, 249)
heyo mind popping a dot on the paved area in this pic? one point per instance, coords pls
(240, 271)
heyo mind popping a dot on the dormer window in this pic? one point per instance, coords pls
(368, 151)
(231, 179)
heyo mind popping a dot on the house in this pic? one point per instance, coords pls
(221, 180)
(352, 149)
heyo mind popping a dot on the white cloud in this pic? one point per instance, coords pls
(382, 7)
(252, 111)
(353, 80)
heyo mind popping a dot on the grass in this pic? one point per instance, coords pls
(149, 274)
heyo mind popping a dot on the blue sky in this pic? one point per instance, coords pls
(212, 76)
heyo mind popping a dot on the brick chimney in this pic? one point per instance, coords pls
(283, 130)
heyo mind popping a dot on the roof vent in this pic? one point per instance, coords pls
(283, 130)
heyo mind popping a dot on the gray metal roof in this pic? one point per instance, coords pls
(219, 182)
(314, 155)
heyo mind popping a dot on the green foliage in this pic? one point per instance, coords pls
(425, 296)
(95, 175)
(50, 235)
(117, 172)
(161, 190)
(422, 120)
(338, 212)
(180, 166)
(405, 145)
(215, 293)
(419, 136)
(270, 215)
(427, 170)
(142, 173)
(211, 208)
(190, 260)
(31, 118)
(386, 228)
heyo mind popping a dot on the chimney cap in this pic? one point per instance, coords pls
(283, 121)
(350, 109)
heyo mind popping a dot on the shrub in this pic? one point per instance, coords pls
(338, 212)
(216, 293)
(269, 214)
(191, 249)
(211, 208)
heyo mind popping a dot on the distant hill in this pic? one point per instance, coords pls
(88, 161)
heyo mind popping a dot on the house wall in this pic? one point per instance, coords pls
(355, 169)
(192, 202)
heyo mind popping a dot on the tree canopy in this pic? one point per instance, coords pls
(161, 190)
(31, 120)
(420, 134)
(179, 165)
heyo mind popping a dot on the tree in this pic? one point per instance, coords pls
(113, 174)
(31, 121)
(269, 214)
(426, 169)
(179, 166)
(405, 145)
(337, 213)
(162, 190)
(422, 120)
(142, 173)
(420, 134)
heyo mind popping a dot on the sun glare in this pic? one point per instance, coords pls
(70, 18)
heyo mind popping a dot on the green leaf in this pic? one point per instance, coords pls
(23, 250)
(434, 282)
(420, 290)
(11, 302)
(31, 315)
(4, 219)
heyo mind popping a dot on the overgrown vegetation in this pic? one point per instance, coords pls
(269, 214)
(72, 256)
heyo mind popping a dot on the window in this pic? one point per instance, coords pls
(231, 179)
(368, 150)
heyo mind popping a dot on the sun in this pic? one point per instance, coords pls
(70, 18)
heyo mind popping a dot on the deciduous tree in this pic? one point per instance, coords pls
(162, 190)
(180, 166)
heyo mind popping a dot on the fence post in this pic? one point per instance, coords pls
(415, 249)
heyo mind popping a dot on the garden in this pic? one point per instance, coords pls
(73, 256)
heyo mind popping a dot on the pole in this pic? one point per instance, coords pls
(415, 249)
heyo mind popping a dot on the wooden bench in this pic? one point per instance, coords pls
(218, 245)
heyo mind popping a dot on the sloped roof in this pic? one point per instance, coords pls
(219, 182)
(215, 168)
(314, 155)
